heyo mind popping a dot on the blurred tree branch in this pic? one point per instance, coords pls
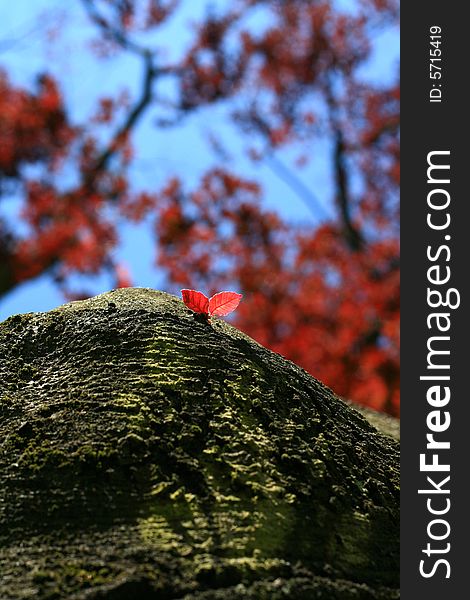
(352, 234)
(133, 116)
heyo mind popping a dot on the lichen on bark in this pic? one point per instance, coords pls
(148, 454)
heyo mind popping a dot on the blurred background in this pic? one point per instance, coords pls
(249, 145)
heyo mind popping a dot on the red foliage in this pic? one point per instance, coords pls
(223, 303)
(196, 301)
(219, 305)
(326, 297)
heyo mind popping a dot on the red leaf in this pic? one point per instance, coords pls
(196, 301)
(223, 303)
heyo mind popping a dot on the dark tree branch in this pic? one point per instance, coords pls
(7, 276)
(353, 237)
(7, 281)
(112, 33)
(102, 162)
(151, 73)
(352, 234)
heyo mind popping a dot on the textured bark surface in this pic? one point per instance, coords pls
(147, 454)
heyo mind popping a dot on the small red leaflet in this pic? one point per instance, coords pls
(219, 304)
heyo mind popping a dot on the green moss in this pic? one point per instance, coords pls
(185, 460)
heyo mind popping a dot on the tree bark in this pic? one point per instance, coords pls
(148, 454)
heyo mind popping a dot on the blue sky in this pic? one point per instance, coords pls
(182, 150)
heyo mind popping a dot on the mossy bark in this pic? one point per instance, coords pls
(148, 454)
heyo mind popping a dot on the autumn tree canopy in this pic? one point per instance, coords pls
(325, 296)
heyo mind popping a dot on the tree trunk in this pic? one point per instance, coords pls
(148, 454)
